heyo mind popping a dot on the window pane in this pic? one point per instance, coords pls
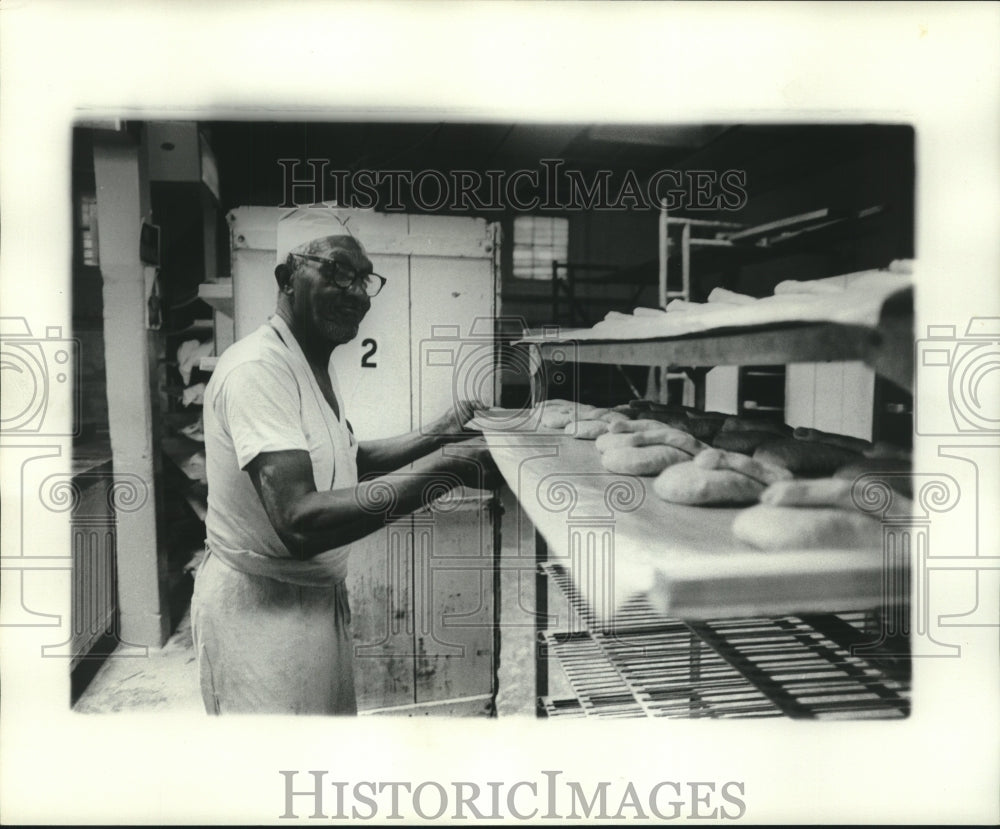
(538, 240)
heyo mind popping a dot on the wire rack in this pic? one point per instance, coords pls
(646, 665)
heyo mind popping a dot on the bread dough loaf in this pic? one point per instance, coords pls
(755, 424)
(894, 472)
(764, 473)
(586, 429)
(819, 492)
(679, 420)
(817, 286)
(642, 460)
(668, 408)
(883, 449)
(554, 418)
(730, 297)
(831, 439)
(641, 425)
(745, 443)
(704, 428)
(669, 437)
(556, 414)
(615, 440)
(663, 436)
(689, 483)
(802, 457)
(555, 403)
(612, 416)
(804, 528)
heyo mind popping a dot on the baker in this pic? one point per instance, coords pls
(290, 488)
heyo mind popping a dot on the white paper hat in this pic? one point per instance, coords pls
(298, 226)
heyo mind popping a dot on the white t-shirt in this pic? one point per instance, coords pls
(263, 398)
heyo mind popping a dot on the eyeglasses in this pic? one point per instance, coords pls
(345, 277)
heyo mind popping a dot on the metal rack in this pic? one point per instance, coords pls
(682, 237)
(645, 665)
(726, 640)
(786, 235)
(566, 277)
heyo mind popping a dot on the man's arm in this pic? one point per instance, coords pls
(309, 522)
(380, 457)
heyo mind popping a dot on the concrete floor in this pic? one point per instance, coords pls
(165, 679)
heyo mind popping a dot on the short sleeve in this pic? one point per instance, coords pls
(260, 407)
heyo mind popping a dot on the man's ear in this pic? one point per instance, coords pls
(283, 276)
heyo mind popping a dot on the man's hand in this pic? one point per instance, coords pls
(452, 423)
(382, 456)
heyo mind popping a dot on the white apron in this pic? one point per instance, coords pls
(273, 635)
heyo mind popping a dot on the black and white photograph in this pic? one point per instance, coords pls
(532, 445)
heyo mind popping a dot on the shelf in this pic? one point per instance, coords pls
(195, 328)
(684, 559)
(768, 346)
(821, 232)
(680, 618)
(781, 225)
(649, 666)
(187, 455)
(198, 504)
(809, 232)
(90, 457)
(887, 348)
(218, 294)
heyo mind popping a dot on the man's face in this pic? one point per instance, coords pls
(321, 308)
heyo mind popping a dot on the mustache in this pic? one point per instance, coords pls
(355, 305)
